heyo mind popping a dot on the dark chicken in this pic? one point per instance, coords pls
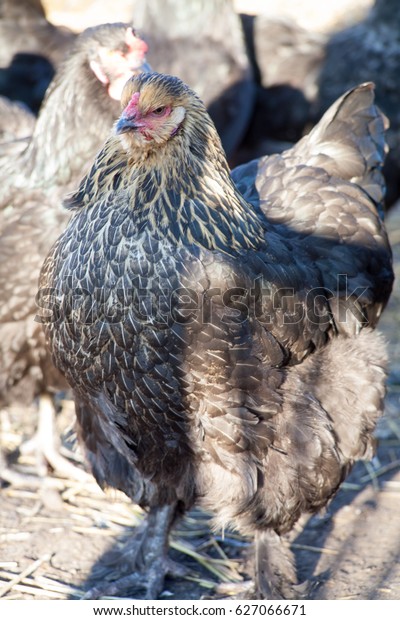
(221, 349)
(24, 28)
(31, 50)
(202, 43)
(369, 50)
(286, 60)
(65, 140)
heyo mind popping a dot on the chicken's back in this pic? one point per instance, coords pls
(327, 193)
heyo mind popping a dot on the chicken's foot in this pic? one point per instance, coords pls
(145, 555)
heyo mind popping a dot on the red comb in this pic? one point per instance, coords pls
(132, 105)
(135, 43)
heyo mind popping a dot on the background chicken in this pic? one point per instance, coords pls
(300, 73)
(202, 42)
(286, 63)
(369, 50)
(214, 355)
(86, 87)
(16, 128)
(31, 50)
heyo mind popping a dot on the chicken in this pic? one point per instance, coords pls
(16, 127)
(369, 50)
(65, 139)
(221, 348)
(32, 49)
(286, 61)
(202, 43)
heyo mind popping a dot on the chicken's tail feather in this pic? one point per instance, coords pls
(351, 136)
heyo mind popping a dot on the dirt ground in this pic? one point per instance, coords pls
(56, 534)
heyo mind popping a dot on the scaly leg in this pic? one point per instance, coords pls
(43, 444)
(146, 555)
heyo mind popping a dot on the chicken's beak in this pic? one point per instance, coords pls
(140, 66)
(126, 124)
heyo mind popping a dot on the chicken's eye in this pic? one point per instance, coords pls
(160, 111)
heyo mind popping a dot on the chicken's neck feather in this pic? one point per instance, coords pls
(65, 134)
(182, 192)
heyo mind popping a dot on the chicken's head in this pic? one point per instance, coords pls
(154, 109)
(113, 66)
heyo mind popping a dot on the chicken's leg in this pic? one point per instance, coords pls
(275, 573)
(146, 556)
(42, 444)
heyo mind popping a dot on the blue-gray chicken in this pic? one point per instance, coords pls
(219, 337)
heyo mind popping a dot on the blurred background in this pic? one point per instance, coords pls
(78, 15)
